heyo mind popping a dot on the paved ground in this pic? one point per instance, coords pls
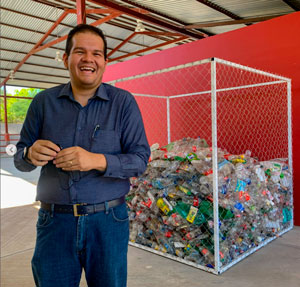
(276, 265)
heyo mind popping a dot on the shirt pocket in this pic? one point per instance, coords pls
(106, 142)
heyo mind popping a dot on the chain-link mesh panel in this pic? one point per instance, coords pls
(172, 204)
(251, 115)
(230, 75)
(154, 113)
(258, 121)
(191, 117)
(254, 182)
(170, 82)
(153, 106)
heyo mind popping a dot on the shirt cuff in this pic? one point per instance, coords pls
(21, 164)
(113, 168)
(28, 161)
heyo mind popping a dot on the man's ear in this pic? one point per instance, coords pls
(65, 59)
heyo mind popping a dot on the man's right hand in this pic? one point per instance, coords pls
(42, 151)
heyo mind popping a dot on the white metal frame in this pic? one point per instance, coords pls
(281, 80)
(214, 90)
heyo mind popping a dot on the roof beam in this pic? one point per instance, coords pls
(106, 19)
(121, 44)
(88, 11)
(33, 16)
(34, 64)
(120, 20)
(25, 29)
(148, 49)
(81, 13)
(117, 11)
(292, 4)
(232, 22)
(220, 9)
(39, 32)
(148, 18)
(62, 38)
(24, 53)
(143, 33)
(39, 74)
(38, 46)
(62, 16)
(25, 42)
(47, 57)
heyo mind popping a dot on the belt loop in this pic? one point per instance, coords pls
(106, 207)
(52, 210)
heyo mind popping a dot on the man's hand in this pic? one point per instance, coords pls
(42, 151)
(77, 158)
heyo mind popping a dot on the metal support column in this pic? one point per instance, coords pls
(81, 12)
(6, 135)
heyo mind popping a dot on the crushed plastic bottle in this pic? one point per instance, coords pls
(171, 204)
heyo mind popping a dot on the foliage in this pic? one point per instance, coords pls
(17, 108)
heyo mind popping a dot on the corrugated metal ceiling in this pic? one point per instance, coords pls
(24, 23)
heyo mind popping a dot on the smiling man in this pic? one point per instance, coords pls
(89, 138)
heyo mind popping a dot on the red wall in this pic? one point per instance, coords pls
(272, 46)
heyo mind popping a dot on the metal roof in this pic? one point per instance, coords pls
(167, 23)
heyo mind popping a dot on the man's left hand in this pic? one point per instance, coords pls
(77, 158)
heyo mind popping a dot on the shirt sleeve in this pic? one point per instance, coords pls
(29, 134)
(135, 148)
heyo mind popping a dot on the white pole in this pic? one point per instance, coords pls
(168, 120)
(215, 163)
(290, 145)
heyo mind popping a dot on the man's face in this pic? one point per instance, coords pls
(86, 63)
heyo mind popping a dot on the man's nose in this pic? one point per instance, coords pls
(88, 57)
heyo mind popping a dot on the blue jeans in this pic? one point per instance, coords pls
(97, 243)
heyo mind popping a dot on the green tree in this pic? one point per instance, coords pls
(17, 108)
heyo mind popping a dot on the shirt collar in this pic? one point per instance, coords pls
(67, 92)
(102, 93)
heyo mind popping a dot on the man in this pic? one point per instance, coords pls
(89, 139)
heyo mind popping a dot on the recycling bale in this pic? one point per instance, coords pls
(171, 205)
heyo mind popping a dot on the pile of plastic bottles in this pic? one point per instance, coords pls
(171, 205)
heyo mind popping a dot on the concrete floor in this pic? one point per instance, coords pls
(276, 265)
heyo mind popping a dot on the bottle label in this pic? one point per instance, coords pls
(192, 214)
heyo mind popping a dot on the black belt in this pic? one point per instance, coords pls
(82, 208)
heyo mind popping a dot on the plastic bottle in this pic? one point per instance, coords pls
(209, 257)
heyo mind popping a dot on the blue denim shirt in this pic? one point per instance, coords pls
(110, 124)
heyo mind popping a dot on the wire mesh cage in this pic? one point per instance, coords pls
(219, 183)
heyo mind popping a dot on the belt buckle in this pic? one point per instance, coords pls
(75, 211)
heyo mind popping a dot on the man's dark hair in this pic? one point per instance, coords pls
(81, 28)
